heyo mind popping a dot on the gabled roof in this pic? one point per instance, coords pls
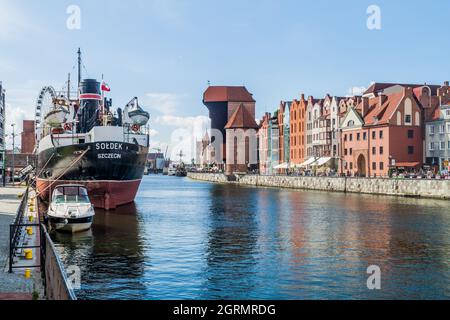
(241, 119)
(356, 113)
(381, 108)
(227, 94)
(378, 87)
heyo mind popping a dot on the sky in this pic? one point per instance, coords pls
(166, 51)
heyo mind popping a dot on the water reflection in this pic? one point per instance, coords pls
(191, 240)
(111, 250)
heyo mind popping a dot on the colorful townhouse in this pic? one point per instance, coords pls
(384, 131)
(284, 124)
(437, 132)
(269, 144)
(298, 131)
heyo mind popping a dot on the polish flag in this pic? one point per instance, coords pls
(105, 87)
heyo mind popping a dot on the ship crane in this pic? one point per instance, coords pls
(181, 155)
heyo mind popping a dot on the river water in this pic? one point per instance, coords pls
(184, 239)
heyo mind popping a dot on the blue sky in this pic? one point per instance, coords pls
(165, 51)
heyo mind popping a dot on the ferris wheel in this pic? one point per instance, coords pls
(44, 104)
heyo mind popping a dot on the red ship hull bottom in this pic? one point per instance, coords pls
(106, 195)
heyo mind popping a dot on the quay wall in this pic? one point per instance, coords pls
(425, 188)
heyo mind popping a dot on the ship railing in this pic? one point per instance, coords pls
(130, 130)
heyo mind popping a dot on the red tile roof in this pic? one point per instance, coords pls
(241, 119)
(382, 112)
(380, 86)
(227, 94)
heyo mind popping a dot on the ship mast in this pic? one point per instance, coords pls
(68, 87)
(79, 67)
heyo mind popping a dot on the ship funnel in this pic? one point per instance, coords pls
(90, 98)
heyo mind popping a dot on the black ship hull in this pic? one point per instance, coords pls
(111, 171)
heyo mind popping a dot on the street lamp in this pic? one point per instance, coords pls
(13, 151)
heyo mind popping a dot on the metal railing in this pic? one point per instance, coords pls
(16, 231)
(56, 283)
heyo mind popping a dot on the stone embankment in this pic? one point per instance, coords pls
(425, 188)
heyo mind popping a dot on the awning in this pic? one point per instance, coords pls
(322, 161)
(308, 162)
(282, 166)
(407, 164)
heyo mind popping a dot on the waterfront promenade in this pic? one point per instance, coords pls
(418, 188)
(12, 286)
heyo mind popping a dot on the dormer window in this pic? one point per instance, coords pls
(351, 123)
(408, 118)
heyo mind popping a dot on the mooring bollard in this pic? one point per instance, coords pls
(30, 218)
(27, 273)
(30, 231)
(28, 254)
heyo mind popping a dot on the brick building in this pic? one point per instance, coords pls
(384, 131)
(241, 144)
(298, 130)
(222, 103)
(28, 137)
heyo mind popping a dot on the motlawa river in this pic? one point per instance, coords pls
(184, 239)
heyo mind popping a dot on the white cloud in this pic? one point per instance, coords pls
(187, 131)
(165, 103)
(14, 22)
(358, 91)
(153, 133)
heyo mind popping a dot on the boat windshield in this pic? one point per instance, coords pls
(70, 195)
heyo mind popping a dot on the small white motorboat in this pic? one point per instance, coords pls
(70, 209)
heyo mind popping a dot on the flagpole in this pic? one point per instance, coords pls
(103, 102)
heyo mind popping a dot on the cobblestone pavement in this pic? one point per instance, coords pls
(10, 283)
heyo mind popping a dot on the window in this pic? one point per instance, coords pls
(358, 136)
(345, 152)
(448, 127)
(351, 123)
(374, 151)
(345, 137)
(351, 151)
(381, 134)
(442, 145)
(408, 118)
(410, 150)
(410, 134)
(381, 165)
(381, 150)
(431, 129)
(442, 129)
(351, 137)
(448, 145)
(374, 166)
(374, 135)
(351, 165)
(447, 112)
(431, 146)
(365, 136)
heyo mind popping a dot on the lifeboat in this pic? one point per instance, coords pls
(56, 117)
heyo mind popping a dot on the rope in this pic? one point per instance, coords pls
(65, 171)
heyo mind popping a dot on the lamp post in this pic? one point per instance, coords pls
(13, 151)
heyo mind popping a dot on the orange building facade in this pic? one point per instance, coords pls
(298, 130)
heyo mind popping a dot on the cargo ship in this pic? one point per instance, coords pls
(84, 141)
